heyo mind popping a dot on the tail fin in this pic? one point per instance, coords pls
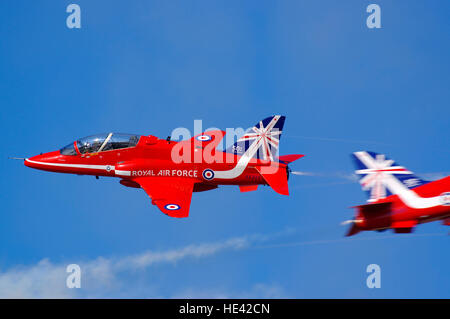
(376, 171)
(262, 140)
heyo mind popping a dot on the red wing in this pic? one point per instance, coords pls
(171, 195)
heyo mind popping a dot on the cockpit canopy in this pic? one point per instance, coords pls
(100, 143)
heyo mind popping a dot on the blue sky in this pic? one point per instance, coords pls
(148, 67)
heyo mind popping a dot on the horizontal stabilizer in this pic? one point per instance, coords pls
(290, 158)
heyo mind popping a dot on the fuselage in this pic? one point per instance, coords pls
(151, 157)
(425, 203)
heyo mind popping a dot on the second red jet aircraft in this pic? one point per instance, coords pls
(398, 199)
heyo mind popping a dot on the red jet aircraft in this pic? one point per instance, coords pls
(398, 199)
(170, 171)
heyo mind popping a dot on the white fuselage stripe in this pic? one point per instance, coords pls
(104, 167)
(240, 166)
(123, 173)
(409, 197)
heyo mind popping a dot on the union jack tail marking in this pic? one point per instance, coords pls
(266, 134)
(375, 170)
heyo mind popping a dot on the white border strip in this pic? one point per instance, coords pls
(105, 167)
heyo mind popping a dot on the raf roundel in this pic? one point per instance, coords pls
(203, 138)
(208, 174)
(172, 207)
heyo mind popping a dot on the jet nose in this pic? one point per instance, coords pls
(40, 161)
